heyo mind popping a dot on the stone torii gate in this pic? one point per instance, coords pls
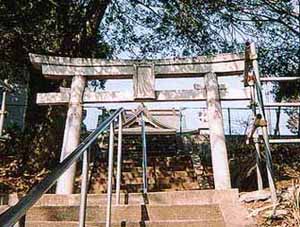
(143, 73)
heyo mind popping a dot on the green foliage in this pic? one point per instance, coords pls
(27, 156)
(66, 28)
(286, 163)
(157, 28)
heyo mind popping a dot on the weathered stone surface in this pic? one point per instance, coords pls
(235, 215)
(216, 133)
(215, 208)
(175, 197)
(59, 98)
(255, 195)
(62, 67)
(186, 223)
(277, 213)
(127, 212)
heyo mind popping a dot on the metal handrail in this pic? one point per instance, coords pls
(13, 214)
(144, 150)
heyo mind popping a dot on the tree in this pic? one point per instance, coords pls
(66, 28)
(187, 28)
(190, 28)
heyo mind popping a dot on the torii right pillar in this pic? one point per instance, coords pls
(216, 133)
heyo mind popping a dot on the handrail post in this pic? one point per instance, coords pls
(110, 173)
(2, 112)
(83, 192)
(119, 161)
(145, 186)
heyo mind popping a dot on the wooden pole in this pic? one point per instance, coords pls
(256, 138)
(71, 133)
(258, 161)
(264, 128)
(216, 131)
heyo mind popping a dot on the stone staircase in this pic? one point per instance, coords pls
(174, 197)
(160, 209)
(167, 171)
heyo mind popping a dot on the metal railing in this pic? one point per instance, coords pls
(144, 150)
(15, 213)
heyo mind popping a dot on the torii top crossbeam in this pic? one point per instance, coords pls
(143, 74)
(61, 67)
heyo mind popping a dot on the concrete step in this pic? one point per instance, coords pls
(174, 208)
(162, 186)
(164, 158)
(134, 213)
(137, 188)
(152, 174)
(173, 197)
(180, 178)
(177, 223)
(184, 174)
(136, 180)
(159, 167)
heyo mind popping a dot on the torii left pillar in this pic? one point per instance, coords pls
(216, 134)
(71, 140)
